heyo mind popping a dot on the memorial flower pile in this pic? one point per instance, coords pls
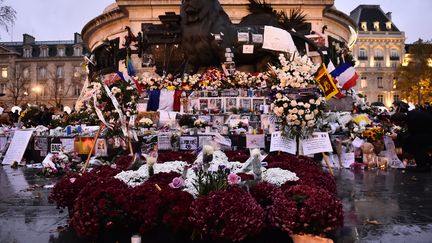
(374, 134)
(294, 196)
(299, 118)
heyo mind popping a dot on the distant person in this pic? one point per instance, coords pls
(415, 136)
(5, 119)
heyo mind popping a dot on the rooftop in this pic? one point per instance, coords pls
(372, 14)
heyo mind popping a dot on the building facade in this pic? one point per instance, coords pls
(133, 13)
(41, 72)
(379, 51)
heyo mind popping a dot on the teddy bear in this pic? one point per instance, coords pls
(369, 157)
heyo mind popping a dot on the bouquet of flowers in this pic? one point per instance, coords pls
(146, 122)
(374, 134)
(200, 123)
(60, 163)
(298, 72)
(297, 118)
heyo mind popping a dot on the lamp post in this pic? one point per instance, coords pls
(37, 89)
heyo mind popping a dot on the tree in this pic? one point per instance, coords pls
(7, 15)
(415, 74)
(58, 89)
(17, 85)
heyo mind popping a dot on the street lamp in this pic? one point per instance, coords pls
(37, 89)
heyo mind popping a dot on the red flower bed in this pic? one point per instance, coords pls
(237, 155)
(228, 215)
(67, 189)
(318, 210)
(100, 208)
(123, 162)
(155, 210)
(186, 156)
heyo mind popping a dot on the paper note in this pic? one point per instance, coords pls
(282, 143)
(319, 142)
(255, 141)
(17, 147)
(278, 40)
(188, 143)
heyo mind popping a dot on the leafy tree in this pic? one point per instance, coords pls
(416, 72)
(7, 15)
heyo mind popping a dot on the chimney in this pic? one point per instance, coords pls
(28, 39)
(389, 15)
(77, 38)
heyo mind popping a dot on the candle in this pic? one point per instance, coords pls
(136, 239)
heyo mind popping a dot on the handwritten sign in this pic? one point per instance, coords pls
(17, 147)
(68, 144)
(188, 143)
(164, 142)
(243, 36)
(255, 141)
(282, 143)
(278, 40)
(319, 142)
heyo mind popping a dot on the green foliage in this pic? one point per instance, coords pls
(416, 72)
(208, 181)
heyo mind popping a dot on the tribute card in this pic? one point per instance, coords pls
(282, 143)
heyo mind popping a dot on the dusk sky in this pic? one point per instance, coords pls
(58, 20)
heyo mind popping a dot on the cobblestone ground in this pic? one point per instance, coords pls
(380, 206)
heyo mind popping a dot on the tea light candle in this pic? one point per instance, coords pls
(136, 239)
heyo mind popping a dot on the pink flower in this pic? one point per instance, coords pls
(233, 179)
(177, 182)
(72, 180)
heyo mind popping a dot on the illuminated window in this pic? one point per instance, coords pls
(395, 80)
(379, 55)
(380, 82)
(394, 55)
(4, 72)
(42, 73)
(77, 72)
(376, 25)
(364, 26)
(381, 98)
(388, 25)
(26, 73)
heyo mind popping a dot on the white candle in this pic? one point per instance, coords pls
(136, 239)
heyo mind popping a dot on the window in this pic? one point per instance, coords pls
(378, 64)
(2, 88)
(376, 26)
(4, 72)
(379, 55)
(381, 98)
(26, 73)
(380, 82)
(27, 52)
(363, 82)
(77, 51)
(362, 54)
(394, 55)
(394, 64)
(60, 72)
(364, 26)
(44, 52)
(77, 90)
(388, 25)
(395, 80)
(42, 73)
(396, 98)
(60, 52)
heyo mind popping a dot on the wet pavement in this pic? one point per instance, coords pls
(380, 206)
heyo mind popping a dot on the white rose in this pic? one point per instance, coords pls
(295, 110)
(312, 101)
(301, 112)
(297, 123)
(301, 104)
(311, 123)
(285, 105)
(278, 96)
(307, 105)
(316, 111)
(293, 103)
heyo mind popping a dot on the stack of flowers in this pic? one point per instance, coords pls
(200, 123)
(298, 118)
(211, 200)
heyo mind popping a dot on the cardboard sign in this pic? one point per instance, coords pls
(164, 142)
(319, 142)
(243, 36)
(40, 143)
(255, 141)
(17, 147)
(68, 144)
(56, 147)
(282, 143)
(101, 148)
(188, 143)
(278, 40)
(257, 38)
(248, 49)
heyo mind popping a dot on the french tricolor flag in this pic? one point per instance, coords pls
(346, 75)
